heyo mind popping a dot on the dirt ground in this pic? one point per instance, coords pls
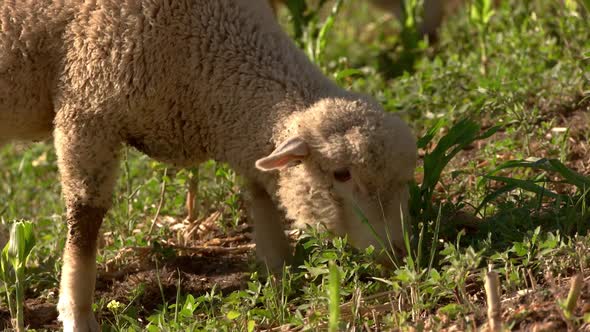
(220, 260)
(225, 261)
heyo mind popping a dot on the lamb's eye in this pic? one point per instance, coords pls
(342, 175)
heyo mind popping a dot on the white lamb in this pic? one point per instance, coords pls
(185, 81)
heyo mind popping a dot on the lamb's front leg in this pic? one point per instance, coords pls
(87, 160)
(78, 273)
(272, 246)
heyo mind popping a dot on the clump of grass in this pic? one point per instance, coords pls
(459, 136)
(480, 13)
(310, 31)
(538, 185)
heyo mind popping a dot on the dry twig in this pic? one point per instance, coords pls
(162, 192)
(492, 287)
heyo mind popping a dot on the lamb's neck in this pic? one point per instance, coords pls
(267, 79)
(261, 114)
(291, 86)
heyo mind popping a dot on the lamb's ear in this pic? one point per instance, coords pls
(292, 150)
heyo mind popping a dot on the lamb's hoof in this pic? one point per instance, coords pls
(81, 323)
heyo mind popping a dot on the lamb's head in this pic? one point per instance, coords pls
(343, 161)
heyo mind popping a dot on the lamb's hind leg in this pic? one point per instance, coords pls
(87, 157)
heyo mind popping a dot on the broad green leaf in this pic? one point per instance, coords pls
(4, 263)
(231, 315)
(251, 325)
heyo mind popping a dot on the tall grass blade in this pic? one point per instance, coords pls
(435, 238)
(527, 185)
(322, 36)
(549, 165)
(334, 296)
(366, 222)
(494, 195)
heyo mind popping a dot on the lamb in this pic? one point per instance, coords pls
(188, 81)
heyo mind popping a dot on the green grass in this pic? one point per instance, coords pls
(499, 106)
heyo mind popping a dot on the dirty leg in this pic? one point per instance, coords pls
(78, 274)
(87, 167)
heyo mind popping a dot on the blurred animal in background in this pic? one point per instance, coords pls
(433, 14)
